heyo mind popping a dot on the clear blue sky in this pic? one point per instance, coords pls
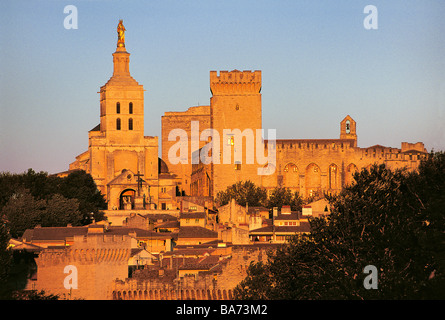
(318, 65)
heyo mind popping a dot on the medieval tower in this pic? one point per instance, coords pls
(122, 161)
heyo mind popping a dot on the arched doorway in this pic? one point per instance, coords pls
(126, 199)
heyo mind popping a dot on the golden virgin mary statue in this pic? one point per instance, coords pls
(120, 34)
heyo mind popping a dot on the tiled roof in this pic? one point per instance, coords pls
(135, 251)
(168, 224)
(140, 233)
(205, 263)
(53, 233)
(196, 232)
(61, 233)
(292, 216)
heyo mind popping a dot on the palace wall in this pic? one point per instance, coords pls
(99, 260)
(212, 285)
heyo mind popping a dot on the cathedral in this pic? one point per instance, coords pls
(122, 161)
(127, 170)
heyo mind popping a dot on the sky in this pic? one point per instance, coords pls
(318, 61)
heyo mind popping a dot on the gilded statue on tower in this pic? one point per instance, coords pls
(120, 34)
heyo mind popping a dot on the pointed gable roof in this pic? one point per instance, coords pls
(126, 177)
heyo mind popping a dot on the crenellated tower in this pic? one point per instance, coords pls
(91, 263)
(235, 105)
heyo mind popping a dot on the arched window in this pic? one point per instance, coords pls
(118, 107)
(130, 108)
(348, 126)
(118, 124)
(130, 124)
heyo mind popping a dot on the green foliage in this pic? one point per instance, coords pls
(244, 192)
(283, 196)
(34, 295)
(81, 186)
(5, 258)
(31, 198)
(23, 212)
(393, 220)
(257, 284)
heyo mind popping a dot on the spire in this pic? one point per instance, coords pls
(121, 58)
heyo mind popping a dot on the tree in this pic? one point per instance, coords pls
(283, 196)
(23, 212)
(60, 211)
(5, 259)
(78, 186)
(34, 295)
(81, 186)
(244, 192)
(392, 220)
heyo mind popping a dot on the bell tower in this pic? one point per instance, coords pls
(348, 129)
(118, 149)
(122, 100)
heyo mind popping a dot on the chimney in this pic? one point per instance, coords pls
(285, 210)
(275, 211)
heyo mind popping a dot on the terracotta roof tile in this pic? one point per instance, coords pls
(196, 232)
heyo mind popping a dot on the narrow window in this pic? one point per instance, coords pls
(118, 124)
(130, 124)
(130, 108)
(118, 107)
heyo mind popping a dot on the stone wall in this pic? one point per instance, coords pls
(212, 285)
(183, 120)
(98, 259)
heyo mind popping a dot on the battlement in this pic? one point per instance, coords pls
(235, 82)
(419, 146)
(311, 144)
(88, 250)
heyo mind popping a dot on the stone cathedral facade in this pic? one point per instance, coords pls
(124, 162)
